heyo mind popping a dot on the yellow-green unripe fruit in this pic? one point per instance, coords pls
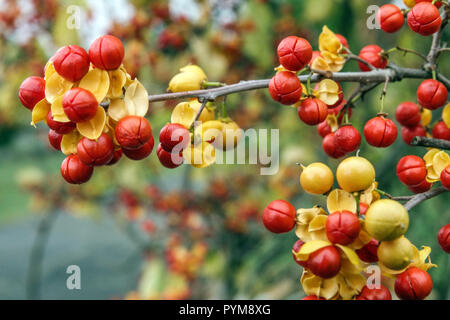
(386, 220)
(396, 254)
(355, 174)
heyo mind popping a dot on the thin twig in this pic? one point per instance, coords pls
(375, 76)
(383, 94)
(430, 143)
(444, 80)
(436, 42)
(351, 56)
(359, 93)
(204, 102)
(421, 197)
(417, 53)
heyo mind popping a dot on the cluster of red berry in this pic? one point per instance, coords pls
(431, 95)
(174, 138)
(412, 172)
(294, 54)
(342, 138)
(423, 18)
(66, 74)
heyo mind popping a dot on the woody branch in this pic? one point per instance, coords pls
(393, 73)
(367, 80)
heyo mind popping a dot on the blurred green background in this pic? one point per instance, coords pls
(140, 231)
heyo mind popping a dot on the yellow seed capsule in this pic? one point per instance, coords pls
(316, 178)
(207, 113)
(208, 131)
(410, 3)
(190, 78)
(230, 137)
(396, 254)
(425, 117)
(355, 174)
(446, 115)
(200, 156)
(386, 220)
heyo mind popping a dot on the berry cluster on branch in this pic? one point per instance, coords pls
(95, 111)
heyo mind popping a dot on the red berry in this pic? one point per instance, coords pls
(441, 131)
(106, 52)
(312, 297)
(330, 148)
(347, 139)
(424, 19)
(285, 87)
(294, 53)
(444, 238)
(381, 293)
(421, 188)
(71, 62)
(173, 135)
(408, 133)
(142, 152)
(296, 248)
(413, 284)
(312, 111)
(116, 157)
(132, 132)
(432, 94)
(59, 127)
(411, 170)
(54, 138)
(363, 207)
(79, 105)
(324, 129)
(279, 216)
(31, 91)
(75, 171)
(96, 152)
(380, 132)
(167, 159)
(445, 178)
(372, 55)
(342, 227)
(368, 253)
(342, 40)
(325, 262)
(408, 114)
(391, 18)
